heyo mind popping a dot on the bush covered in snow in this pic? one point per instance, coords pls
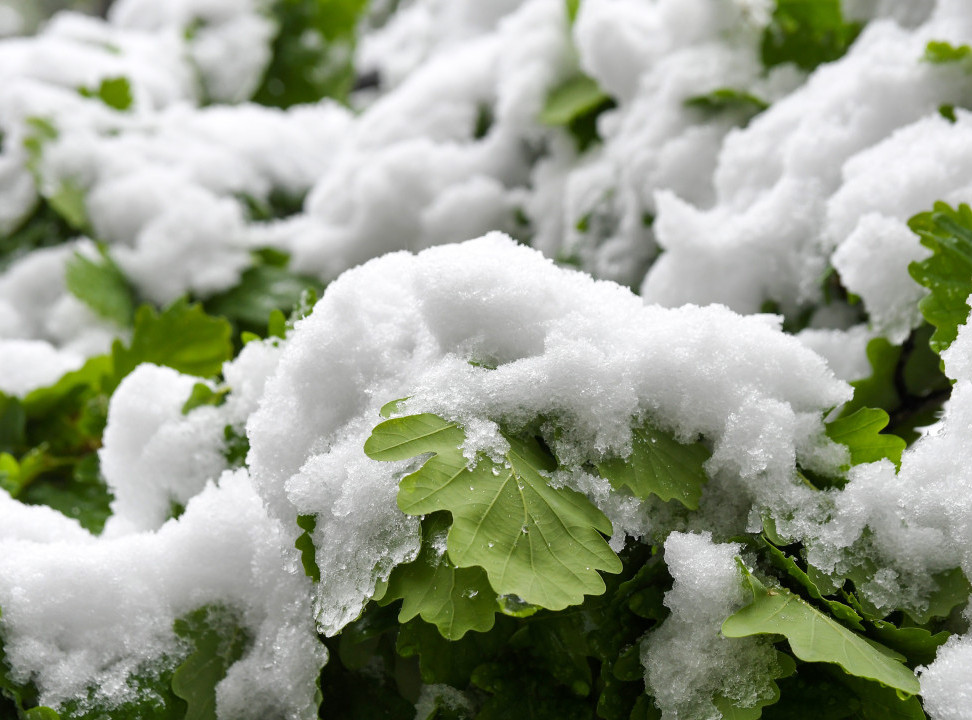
(460, 359)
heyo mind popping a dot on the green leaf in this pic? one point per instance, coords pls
(814, 637)
(312, 53)
(216, 641)
(879, 389)
(861, 434)
(939, 52)
(81, 494)
(262, 290)
(539, 543)
(916, 644)
(574, 98)
(391, 408)
(455, 600)
(807, 33)
(114, 92)
(838, 609)
(947, 273)
(13, 424)
(202, 394)
(740, 103)
(660, 465)
(575, 105)
(89, 378)
(41, 131)
(102, 287)
(236, 445)
(824, 692)
(952, 589)
(182, 337)
(305, 544)
(68, 201)
(572, 7)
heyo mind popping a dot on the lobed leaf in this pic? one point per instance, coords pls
(815, 637)
(947, 273)
(861, 434)
(543, 545)
(660, 465)
(102, 287)
(455, 600)
(182, 337)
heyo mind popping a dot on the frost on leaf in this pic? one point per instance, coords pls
(543, 544)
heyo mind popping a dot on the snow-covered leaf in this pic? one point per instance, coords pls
(541, 544)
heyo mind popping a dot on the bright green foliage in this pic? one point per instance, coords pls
(236, 445)
(953, 589)
(51, 437)
(861, 433)
(216, 641)
(263, 289)
(574, 98)
(42, 131)
(114, 92)
(575, 105)
(947, 273)
(573, 6)
(807, 33)
(940, 52)
(815, 637)
(879, 389)
(736, 103)
(784, 562)
(305, 544)
(918, 645)
(455, 600)
(68, 201)
(660, 465)
(539, 543)
(202, 394)
(182, 337)
(101, 286)
(312, 53)
(48, 441)
(78, 491)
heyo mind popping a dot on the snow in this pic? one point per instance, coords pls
(587, 355)
(404, 204)
(110, 604)
(688, 661)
